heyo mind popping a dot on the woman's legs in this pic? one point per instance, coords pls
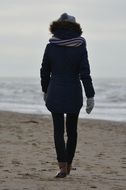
(58, 123)
(66, 153)
(71, 129)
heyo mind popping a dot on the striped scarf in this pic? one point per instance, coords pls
(73, 42)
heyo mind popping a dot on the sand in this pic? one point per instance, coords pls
(28, 159)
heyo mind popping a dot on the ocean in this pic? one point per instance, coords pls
(24, 95)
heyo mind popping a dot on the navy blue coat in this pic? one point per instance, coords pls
(61, 71)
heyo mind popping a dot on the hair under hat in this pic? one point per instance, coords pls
(65, 24)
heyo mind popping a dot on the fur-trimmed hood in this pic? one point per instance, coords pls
(65, 29)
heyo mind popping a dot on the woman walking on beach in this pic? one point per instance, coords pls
(65, 63)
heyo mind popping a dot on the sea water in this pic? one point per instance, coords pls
(24, 95)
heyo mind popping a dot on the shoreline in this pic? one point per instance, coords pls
(28, 158)
(49, 116)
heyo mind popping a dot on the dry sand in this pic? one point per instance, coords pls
(28, 159)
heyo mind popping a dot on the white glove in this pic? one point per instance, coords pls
(90, 105)
(44, 96)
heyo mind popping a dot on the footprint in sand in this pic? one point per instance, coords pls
(33, 169)
(100, 154)
(2, 181)
(1, 165)
(123, 162)
(93, 186)
(7, 171)
(16, 162)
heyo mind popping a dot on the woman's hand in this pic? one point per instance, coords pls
(90, 105)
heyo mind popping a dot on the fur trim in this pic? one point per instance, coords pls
(55, 25)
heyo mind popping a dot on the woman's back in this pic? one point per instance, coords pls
(64, 61)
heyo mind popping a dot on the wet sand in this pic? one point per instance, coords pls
(28, 159)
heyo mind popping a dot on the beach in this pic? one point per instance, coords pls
(28, 158)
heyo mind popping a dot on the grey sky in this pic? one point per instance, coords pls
(24, 34)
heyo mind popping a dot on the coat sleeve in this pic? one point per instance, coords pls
(45, 70)
(85, 73)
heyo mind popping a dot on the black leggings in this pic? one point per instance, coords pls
(65, 152)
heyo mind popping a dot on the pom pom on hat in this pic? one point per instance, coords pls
(66, 17)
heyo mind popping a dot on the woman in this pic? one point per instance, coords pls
(65, 63)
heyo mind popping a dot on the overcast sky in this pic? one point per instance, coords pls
(24, 33)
